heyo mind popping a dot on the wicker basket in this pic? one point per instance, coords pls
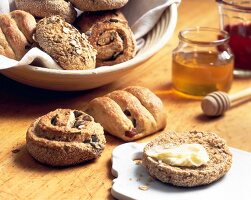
(74, 80)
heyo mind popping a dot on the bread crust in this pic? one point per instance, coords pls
(16, 32)
(123, 115)
(62, 143)
(47, 8)
(92, 5)
(65, 44)
(110, 34)
(220, 160)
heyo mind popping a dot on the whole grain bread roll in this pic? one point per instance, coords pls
(92, 5)
(129, 114)
(16, 30)
(65, 137)
(220, 159)
(109, 33)
(47, 8)
(65, 44)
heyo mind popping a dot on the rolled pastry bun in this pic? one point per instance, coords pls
(92, 5)
(220, 159)
(129, 114)
(65, 137)
(109, 33)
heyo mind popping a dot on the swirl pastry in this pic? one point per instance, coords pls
(47, 8)
(129, 114)
(65, 137)
(65, 44)
(110, 35)
(92, 5)
(16, 30)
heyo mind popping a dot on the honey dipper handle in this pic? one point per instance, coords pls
(240, 95)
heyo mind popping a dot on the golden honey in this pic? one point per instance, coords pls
(199, 73)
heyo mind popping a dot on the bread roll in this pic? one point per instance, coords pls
(129, 114)
(65, 137)
(110, 35)
(65, 44)
(47, 8)
(16, 30)
(91, 5)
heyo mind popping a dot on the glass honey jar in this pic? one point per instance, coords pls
(202, 62)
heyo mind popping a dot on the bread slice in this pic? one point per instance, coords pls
(220, 160)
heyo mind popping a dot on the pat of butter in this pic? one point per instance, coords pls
(185, 155)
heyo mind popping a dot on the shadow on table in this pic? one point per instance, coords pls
(18, 100)
(24, 160)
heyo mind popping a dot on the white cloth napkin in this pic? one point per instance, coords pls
(142, 15)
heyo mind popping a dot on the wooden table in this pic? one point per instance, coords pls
(21, 177)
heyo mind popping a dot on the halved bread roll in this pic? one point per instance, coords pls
(220, 159)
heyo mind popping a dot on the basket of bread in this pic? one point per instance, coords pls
(80, 44)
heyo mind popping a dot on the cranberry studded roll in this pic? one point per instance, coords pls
(110, 35)
(129, 114)
(65, 137)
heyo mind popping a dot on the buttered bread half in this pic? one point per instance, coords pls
(187, 160)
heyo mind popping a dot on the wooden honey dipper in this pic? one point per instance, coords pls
(216, 103)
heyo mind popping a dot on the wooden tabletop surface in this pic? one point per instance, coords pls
(21, 177)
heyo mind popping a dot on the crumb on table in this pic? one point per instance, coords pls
(137, 161)
(15, 150)
(143, 187)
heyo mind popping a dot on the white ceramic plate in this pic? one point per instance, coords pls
(73, 80)
(236, 184)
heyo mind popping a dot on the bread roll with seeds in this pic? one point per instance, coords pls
(16, 30)
(65, 44)
(92, 5)
(65, 137)
(109, 33)
(47, 8)
(129, 116)
(220, 159)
